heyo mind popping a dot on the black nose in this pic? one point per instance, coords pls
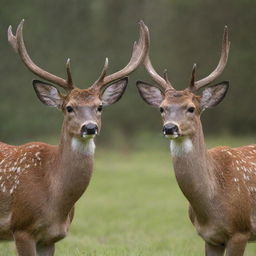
(89, 129)
(170, 129)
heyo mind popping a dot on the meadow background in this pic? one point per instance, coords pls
(133, 206)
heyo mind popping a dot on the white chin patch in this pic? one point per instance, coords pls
(181, 146)
(86, 147)
(171, 137)
(88, 136)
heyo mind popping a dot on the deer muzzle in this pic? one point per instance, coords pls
(171, 130)
(89, 129)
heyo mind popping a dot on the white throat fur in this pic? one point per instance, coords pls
(86, 147)
(180, 147)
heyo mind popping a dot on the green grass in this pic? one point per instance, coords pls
(133, 207)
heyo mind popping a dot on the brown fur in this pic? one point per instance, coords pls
(205, 177)
(38, 196)
(220, 184)
(40, 183)
(34, 195)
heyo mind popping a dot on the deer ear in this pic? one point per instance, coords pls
(114, 92)
(213, 95)
(48, 94)
(150, 94)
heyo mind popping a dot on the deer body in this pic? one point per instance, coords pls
(40, 183)
(220, 183)
(35, 180)
(219, 196)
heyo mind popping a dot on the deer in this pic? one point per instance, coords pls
(40, 183)
(219, 183)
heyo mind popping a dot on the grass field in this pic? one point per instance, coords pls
(133, 207)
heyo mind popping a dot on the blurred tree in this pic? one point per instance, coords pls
(182, 32)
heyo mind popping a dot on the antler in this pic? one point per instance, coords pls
(138, 55)
(18, 45)
(164, 83)
(218, 70)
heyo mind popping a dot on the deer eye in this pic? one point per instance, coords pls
(69, 109)
(100, 107)
(161, 110)
(191, 110)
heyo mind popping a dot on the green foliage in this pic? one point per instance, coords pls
(134, 207)
(182, 32)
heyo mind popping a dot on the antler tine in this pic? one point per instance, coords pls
(69, 76)
(164, 83)
(103, 72)
(12, 39)
(138, 55)
(18, 44)
(192, 81)
(166, 77)
(221, 65)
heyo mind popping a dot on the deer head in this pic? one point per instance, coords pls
(181, 110)
(81, 107)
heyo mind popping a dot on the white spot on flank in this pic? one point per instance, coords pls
(33, 146)
(22, 159)
(181, 147)
(37, 156)
(229, 153)
(86, 147)
(246, 177)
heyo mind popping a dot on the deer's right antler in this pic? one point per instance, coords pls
(196, 85)
(18, 45)
(163, 83)
(138, 55)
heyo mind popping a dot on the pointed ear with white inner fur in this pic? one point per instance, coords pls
(114, 92)
(213, 95)
(150, 94)
(48, 94)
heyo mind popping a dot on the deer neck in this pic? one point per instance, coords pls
(193, 169)
(74, 170)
